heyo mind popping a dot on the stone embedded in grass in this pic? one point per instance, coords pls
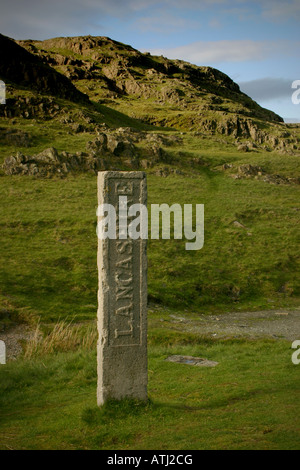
(238, 224)
(191, 360)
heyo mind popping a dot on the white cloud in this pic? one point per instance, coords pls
(213, 52)
(268, 89)
(166, 22)
(292, 120)
(215, 23)
(41, 18)
(270, 9)
(280, 10)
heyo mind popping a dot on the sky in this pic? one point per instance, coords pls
(256, 43)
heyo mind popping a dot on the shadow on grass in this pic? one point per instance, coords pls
(214, 403)
(114, 410)
(122, 119)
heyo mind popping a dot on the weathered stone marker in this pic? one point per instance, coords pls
(122, 296)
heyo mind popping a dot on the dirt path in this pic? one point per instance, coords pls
(13, 338)
(276, 324)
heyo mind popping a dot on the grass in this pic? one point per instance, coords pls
(48, 245)
(254, 259)
(249, 401)
(48, 277)
(39, 245)
(61, 337)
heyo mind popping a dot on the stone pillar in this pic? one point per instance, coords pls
(122, 296)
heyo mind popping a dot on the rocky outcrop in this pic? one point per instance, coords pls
(37, 106)
(170, 94)
(15, 137)
(108, 151)
(110, 144)
(19, 66)
(30, 107)
(249, 171)
(49, 163)
(121, 69)
(121, 143)
(241, 128)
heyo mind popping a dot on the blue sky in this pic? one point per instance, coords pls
(256, 43)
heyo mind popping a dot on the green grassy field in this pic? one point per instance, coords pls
(48, 246)
(249, 401)
(48, 273)
(48, 252)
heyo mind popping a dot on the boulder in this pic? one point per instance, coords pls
(250, 170)
(48, 155)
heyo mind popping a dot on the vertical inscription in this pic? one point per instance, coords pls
(124, 324)
(124, 291)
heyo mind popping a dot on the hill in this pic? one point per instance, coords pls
(79, 105)
(107, 69)
(143, 90)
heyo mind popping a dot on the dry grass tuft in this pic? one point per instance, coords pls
(63, 337)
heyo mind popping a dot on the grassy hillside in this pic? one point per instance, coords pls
(242, 163)
(107, 70)
(48, 245)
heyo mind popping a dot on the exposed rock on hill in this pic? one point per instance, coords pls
(112, 150)
(49, 163)
(15, 137)
(19, 66)
(249, 171)
(127, 87)
(44, 107)
(113, 70)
